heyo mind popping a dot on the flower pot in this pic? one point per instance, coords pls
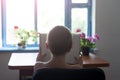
(85, 50)
(21, 45)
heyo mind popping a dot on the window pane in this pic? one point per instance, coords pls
(18, 13)
(50, 13)
(79, 19)
(79, 1)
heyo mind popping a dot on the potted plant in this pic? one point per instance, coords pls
(23, 36)
(87, 42)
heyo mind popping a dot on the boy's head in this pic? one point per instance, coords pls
(59, 40)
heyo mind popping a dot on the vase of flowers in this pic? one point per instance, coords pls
(87, 42)
(22, 44)
(85, 50)
(23, 36)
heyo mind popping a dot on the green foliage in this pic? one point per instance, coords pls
(24, 36)
(87, 43)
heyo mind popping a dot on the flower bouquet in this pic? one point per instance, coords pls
(23, 36)
(87, 42)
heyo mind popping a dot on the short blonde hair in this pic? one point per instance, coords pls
(59, 40)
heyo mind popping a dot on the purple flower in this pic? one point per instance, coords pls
(82, 35)
(89, 41)
(89, 38)
(94, 40)
(96, 36)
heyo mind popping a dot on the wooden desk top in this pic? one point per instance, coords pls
(28, 60)
(94, 61)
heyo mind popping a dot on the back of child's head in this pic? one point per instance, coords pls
(59, 40)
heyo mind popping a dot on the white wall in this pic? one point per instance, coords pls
(5, 73)
(108, 26)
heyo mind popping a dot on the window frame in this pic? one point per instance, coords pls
(68, 7)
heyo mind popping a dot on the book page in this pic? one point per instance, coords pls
(74, 52)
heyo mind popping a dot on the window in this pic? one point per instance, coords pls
(49, 16)
(79, 1)
(18, 13)
(42, 15)
(81, 15)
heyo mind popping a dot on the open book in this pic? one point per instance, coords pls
(70, 57)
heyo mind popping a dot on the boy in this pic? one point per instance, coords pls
(59, 42)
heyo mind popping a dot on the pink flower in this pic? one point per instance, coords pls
(96, 36)
(16, 27)
(94, 40)
(78, 30)
(89, 38)
(82, 35)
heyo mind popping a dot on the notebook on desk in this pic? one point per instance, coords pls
(74, 52)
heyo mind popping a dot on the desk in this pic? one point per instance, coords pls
(24, 62)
